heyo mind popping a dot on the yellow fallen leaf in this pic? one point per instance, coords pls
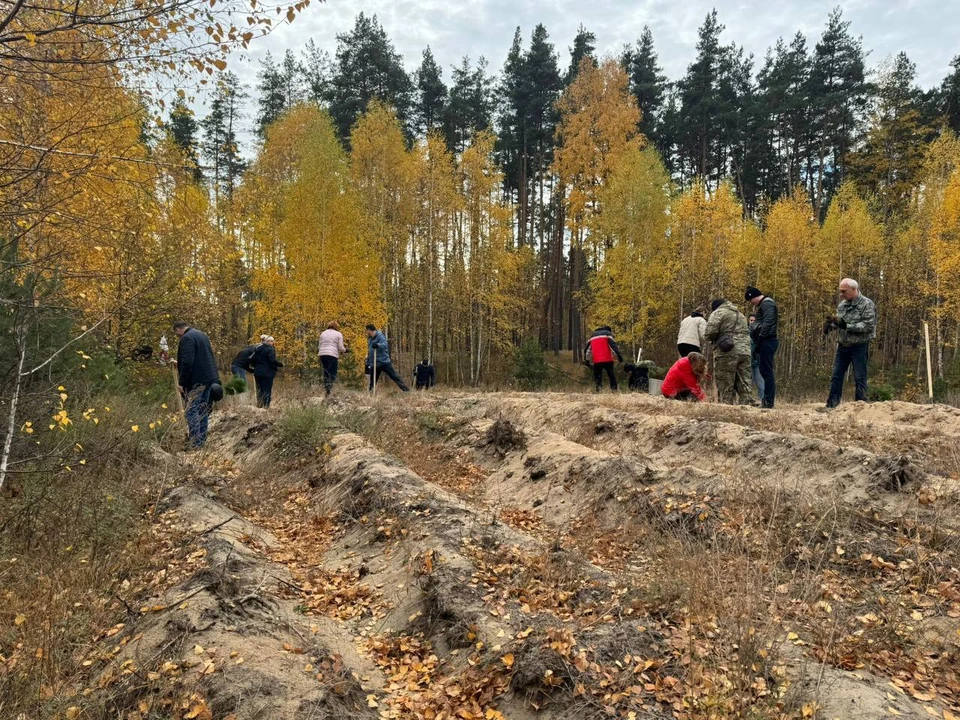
(372, 701)
(507, 660)
(73, 712)
(19, 620)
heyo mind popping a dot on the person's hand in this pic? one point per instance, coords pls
(841, 323)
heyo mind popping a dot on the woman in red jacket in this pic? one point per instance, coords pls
(683, 379)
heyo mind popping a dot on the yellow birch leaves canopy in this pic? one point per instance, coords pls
(303, 237)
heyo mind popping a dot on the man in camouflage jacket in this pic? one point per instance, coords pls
(856, 325)
(728, 326)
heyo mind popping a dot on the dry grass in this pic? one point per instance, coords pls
(76, 549)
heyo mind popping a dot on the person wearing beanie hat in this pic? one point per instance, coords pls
(764, 334)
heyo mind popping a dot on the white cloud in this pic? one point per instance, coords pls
(924, 29)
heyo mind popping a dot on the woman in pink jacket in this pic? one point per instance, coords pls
(331, 349)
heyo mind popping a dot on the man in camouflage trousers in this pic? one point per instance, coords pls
(856, 325)
(727, 330)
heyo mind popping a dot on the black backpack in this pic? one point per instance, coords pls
(245, 357)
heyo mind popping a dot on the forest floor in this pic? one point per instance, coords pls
(513, 555)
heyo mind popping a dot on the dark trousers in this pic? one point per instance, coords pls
(239, 372)
(848, 355)
(264, 390)
(330, 365)
(198, 413)
(766, 349)
(598, 369)
(685, 395)
(388, 370)
(686, 348)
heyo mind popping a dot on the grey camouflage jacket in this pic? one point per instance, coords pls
(860, 314)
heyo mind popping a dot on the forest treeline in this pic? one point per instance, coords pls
(469, 217)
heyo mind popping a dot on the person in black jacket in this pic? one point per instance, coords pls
(197, 369)
(424, 376)
(764, 334)
(241, 363)
(265, 366)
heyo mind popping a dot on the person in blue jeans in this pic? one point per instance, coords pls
(764, 335)
(856, 325)
(197, 373)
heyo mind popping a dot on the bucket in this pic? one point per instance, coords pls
(655, 387)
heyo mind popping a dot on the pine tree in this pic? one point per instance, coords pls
(316, 67)
(699, 102)
(511, 139)
(431, 97)
(366, 67)
(220, 127)
(647, 83)
(950, 94)
(584, 46)
(838, 97)
(469, 105)
(278, 87)
(541, 89)
(783, 87)
(183, 128)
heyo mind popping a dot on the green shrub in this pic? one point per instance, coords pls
(530, 368)
(235, 386)
(304, 429)
(880, 393)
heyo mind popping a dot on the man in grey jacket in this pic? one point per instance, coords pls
(856, 325)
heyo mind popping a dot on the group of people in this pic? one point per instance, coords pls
(743, 353)
(199, 379)
(744, 349)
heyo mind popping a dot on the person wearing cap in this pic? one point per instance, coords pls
(690, 338)
(764, 333)
(424, 375)
(265, 366)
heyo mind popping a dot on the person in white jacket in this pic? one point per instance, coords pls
(332, 349)
(690, 339)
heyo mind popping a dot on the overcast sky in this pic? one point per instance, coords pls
(927, 30)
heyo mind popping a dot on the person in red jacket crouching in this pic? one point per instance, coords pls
(683, 379)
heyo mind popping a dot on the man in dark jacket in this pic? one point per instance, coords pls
(764, 334)
(197, 368)
(424, 376)
(265, 366)
(378, 359)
